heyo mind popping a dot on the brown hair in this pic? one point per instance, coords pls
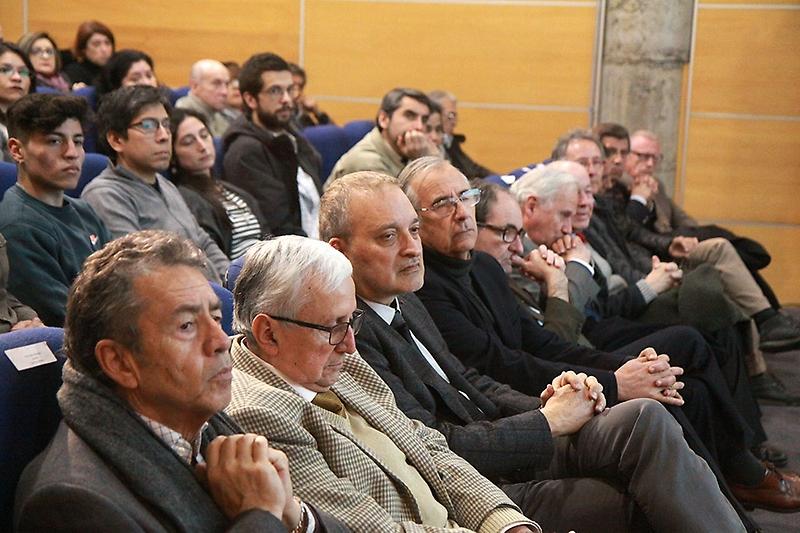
(85, 32)
(102, 303)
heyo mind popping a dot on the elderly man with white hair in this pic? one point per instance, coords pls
(208, 94)
(352, 452)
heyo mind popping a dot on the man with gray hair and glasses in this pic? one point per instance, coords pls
(352, 452)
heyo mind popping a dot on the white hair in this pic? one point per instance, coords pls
(277, 274)
(544, 182)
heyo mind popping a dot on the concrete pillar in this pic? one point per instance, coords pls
(646, 47)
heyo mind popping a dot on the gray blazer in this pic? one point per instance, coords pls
(500, 431)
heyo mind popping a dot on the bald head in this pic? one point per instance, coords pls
(208, 81)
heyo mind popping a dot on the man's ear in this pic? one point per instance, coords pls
(115, 141)
(250, 101)
(264, 334)
(338, 244)
(383, 119)
(529, 206)
(15, 148)
(118, 363)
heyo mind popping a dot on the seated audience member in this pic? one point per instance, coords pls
(352, 451)
(467, 295)
(500, 234)
(48, 234)
(208, 94)
(14, 314)
(398, 136)
(131, 195)
(502, 433)
(606, 333)
(228, 214)
(43, 52)
(125, 69)
(143, 445)
(16, 80)
(452, 140)
(307, 112)
(642, 196)
(233, 106)
(94, 46)
(434, 128)
(776, 330)
(266, 156)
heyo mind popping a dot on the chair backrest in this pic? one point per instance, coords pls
(219, 168)
(226, 299)
(233, 272)
(8, 177)
(93, 165)
(356, 129)
(177, 93)
(331, 142)
(29, 412)
(44, 89)
(89, 93)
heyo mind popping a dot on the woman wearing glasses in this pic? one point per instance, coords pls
(16, 80)
(227, 213)
(42, 50)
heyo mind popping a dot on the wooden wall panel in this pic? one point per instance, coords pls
(783, 274)
(522, 54)
(179, 32)
(747, 61)
(11, 19)
(743, 170)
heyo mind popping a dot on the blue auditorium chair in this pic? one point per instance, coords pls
(219, 168)
(356, 129)
(8, 177)
(93, 165)
(29, 412)
(47, 90)
(331, 142)
(226, 300)
(233, 272)
(177, 93)
(89, 93)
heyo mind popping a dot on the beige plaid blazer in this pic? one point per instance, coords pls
(334, 471)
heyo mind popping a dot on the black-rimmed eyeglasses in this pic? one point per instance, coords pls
(337, 333)
(508, 233)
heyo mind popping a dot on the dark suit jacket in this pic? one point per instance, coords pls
(497, 336)
(500, 431)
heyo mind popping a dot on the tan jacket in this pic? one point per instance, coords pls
(370, 153)
(334, 471)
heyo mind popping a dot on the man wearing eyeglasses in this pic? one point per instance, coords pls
(501, 432)
(266, 156)
(299, 381)
(131, 194)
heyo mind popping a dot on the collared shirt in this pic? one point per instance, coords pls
(386, 313)
(188, 451)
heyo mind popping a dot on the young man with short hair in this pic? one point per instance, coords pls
(48, 234)
(132, 195)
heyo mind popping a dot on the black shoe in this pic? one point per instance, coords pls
(765, 386)
(779, 333)
(769, 454)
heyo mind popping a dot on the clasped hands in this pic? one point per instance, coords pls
(650, 376)
(570, 401)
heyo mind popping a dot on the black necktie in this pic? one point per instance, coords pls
(400, 326)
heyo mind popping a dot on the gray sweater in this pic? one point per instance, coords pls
(127, 204)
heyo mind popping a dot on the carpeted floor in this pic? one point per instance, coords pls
(783, 429)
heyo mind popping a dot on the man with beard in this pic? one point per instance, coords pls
(266, 157)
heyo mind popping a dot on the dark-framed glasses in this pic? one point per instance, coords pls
(149, 126)
(337, 333)
(8, 71)
(276, 92)
(508, 233)
(447, 206)
(43, 52)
